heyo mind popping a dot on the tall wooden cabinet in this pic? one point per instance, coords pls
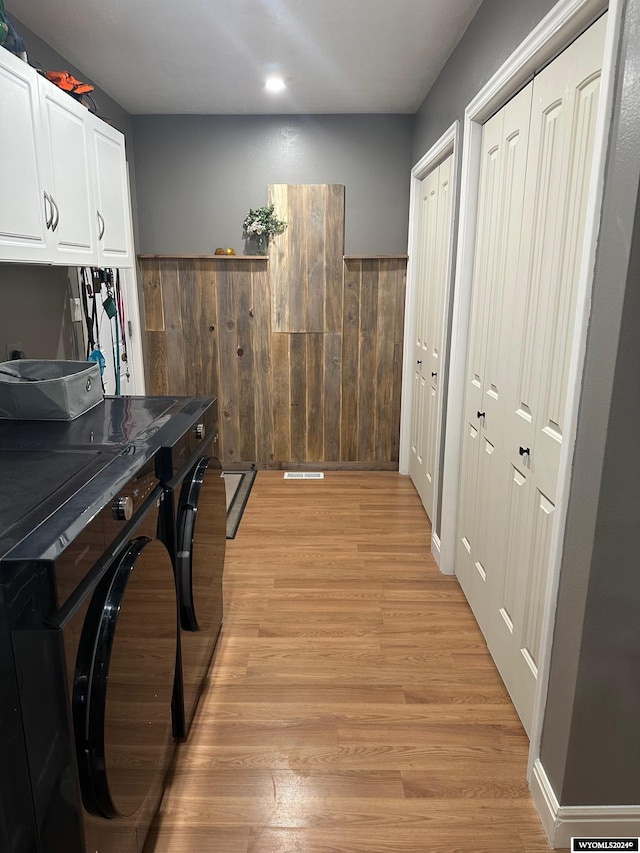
(535, 173)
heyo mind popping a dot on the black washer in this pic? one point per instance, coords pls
(124, 680)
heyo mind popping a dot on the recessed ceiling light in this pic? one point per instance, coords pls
(274, 84)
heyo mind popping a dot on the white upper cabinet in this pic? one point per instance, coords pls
(24, 211)
(72, 233)
(112, 196)
(65, 194)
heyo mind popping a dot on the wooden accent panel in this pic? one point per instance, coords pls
(373, 321)
(157, 358)
(352, 705)
(306, 261)
(281, 396)
(285, 398)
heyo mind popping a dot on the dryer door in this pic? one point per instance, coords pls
(201, 544)
(124, 681)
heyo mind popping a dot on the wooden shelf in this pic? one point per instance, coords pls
(209, 257)
(374, 257)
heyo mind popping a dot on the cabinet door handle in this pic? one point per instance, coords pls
(481, 415)
(433, 375)
(524, 451)
(48, 216)
(56, 211)
(418, 362)
(101, 225)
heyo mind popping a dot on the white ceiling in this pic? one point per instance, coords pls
(211, 56)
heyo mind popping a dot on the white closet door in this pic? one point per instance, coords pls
(435, 324)
(502, 183)
(565, 101)
(434, 229)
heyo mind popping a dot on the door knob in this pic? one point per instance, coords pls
(481, 414)
(524, 451)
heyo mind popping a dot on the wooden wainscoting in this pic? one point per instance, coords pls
(284, 398)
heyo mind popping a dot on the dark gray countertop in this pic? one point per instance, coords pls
(55, 477)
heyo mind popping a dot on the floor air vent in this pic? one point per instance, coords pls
(304, 475)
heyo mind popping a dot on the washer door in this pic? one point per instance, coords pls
(124, 680)
(201, 544)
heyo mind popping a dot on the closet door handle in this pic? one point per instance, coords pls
(56, 210)
(48, 216)
(524, 451)
(433, 375)
(101, 225)
(481, 414)
(418, 362)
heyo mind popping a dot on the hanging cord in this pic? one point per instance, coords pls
(116, 354)
(122, 318)
(85, 290)
(117, 358)
(111, 310)
(93, 285)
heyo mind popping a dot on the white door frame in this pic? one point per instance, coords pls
(565, 21)
(447, 144)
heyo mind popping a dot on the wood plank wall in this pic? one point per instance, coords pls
(306, 260)
(296, 398)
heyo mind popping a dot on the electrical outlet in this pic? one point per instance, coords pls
(11, 348)
(76, 309)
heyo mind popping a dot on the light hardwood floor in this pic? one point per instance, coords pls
(352, 706)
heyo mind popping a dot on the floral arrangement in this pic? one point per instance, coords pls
(261, 224)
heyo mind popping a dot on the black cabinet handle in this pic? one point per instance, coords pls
(433, 375)
(481, 414)
(524, 451)
(418, 362)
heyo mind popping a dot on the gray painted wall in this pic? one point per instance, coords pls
(197, 176)
(591, 737)
(494, 33)
(36, 311)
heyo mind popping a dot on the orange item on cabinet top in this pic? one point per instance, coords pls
(66, 81)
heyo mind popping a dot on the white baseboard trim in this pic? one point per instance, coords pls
(562, 823)
(435, 548)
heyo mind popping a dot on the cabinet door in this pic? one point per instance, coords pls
(68, 182)
(112, 195)
(24, 213)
